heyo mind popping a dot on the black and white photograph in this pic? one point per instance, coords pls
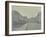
(24, 18)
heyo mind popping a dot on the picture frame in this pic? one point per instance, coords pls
(13, 8)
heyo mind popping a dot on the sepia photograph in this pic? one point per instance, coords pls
(25, 18)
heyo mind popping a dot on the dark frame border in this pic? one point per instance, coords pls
(7, 17)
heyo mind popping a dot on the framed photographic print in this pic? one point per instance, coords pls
(24, 18)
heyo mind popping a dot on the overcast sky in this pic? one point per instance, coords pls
(27, 10)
